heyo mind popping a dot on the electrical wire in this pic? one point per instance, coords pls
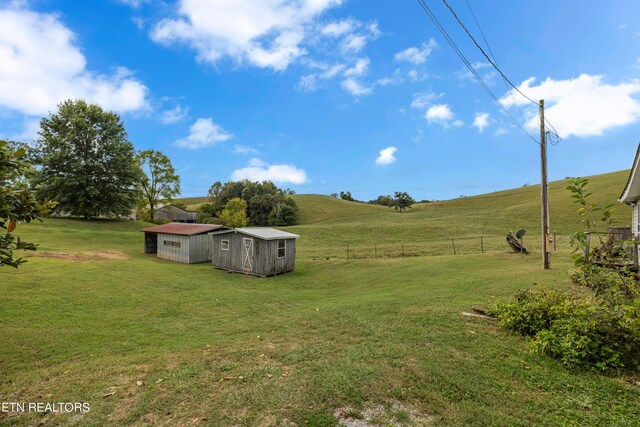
(505, 80)
(493, 56)
(448, 38)
(484, 53)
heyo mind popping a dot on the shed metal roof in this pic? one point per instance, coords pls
(265, 233)
(631, 192)
(183, 229)
(171, 205)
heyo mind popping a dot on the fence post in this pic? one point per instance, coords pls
(454, 246)
(347, 252)
(482, 243)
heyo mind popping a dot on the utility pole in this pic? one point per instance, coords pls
(544, 192)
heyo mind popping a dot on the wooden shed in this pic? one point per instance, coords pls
(186, 243)
(175, 214)
(258, 251)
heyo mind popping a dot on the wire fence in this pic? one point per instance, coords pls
(465, 245)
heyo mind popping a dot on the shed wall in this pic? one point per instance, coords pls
(199, 248)
(175, 214)
(265, 261)
(173, 253)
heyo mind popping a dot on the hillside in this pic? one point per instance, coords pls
(328, 225)
(492, 211)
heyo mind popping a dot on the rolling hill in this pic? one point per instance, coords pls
(327, 225)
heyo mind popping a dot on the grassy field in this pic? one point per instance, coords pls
(151, 342)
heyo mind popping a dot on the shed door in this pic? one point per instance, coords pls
(247, 254)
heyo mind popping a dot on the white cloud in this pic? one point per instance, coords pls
(582, 106)
(307, 83)
(332, 71)
(359, 69)
(442, 114)
(417, 76)
(481, 121)
(203, 133)
(439, 112)
(353, 43)
(265, 34)
(339, 28)
(243, 149)
(174, 115)
(133, 3)
(423, 99)
(416, 55)
(354, 87)
(501, 131)
(258, 170)
(386, 156)
(41, 66)
(394, 79)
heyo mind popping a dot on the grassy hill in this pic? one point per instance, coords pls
(328, 225)
(151, 342)
(518, 207)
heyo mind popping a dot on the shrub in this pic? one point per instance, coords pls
(533, 311)
(578, 331)
(597, 327)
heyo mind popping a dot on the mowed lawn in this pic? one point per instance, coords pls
(213, 348)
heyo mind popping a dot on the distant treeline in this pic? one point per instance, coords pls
(263, 204)
(399, 201)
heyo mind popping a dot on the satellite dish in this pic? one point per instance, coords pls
(521, 233)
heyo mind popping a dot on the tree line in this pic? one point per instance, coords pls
(262, 203)
(84, 161)
(401, 200)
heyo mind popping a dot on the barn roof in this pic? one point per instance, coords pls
(182, 228)
(171, 205)
(264, 233)
(631, 192)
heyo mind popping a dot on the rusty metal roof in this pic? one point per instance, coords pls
(183, 229)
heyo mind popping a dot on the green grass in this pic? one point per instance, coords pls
(225, 349)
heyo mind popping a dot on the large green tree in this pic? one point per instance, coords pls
(235, 213)
(17, 204)
(160, 182)
(402, 201)
(266, 204)
(86, 162)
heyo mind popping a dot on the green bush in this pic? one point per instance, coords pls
(581, 330)
(533, 311)
(211, 220)
(599, 325)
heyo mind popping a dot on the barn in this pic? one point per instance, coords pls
(186, 243)
(174, 213)
(259, 251)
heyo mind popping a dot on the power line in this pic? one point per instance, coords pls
(495, 65)
(485, 54)
(448, 38)
(493, 56)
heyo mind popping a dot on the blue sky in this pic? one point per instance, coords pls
(324, 96)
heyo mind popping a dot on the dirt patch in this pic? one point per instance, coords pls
(373, 415)
(85, 256)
